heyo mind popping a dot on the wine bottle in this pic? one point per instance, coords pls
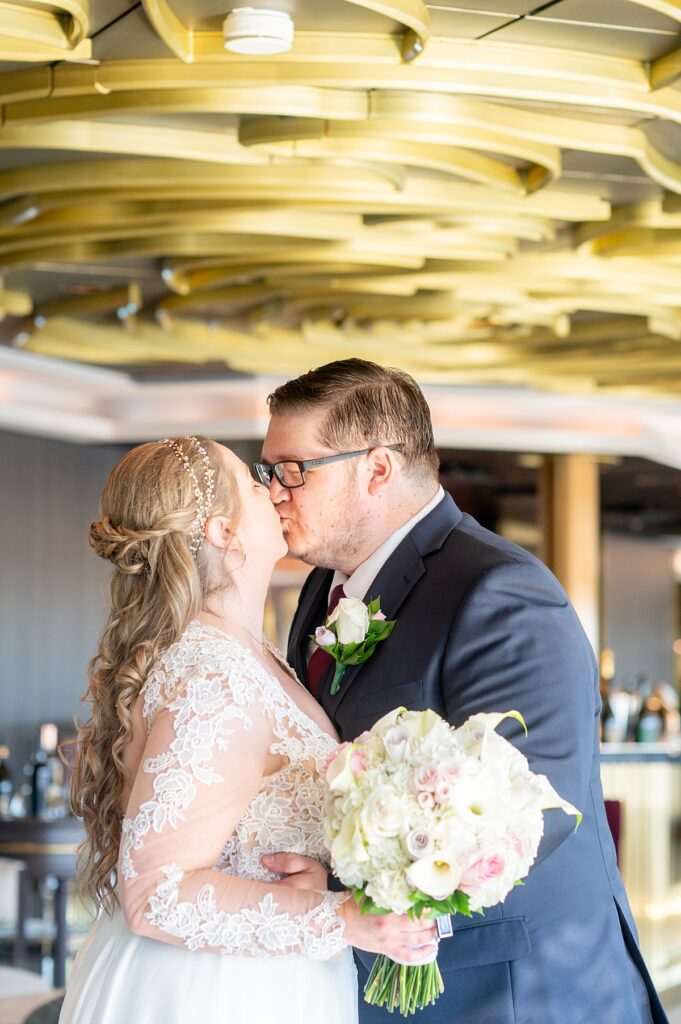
(37, 771)
(6, 787)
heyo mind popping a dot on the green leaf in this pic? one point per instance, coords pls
(374, 606)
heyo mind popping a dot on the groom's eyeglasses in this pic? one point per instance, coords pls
(291, 473)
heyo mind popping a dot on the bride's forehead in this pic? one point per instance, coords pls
(232, 461)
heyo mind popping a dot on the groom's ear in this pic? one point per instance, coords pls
(383, 467)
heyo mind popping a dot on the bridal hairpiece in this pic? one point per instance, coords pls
(204, 497)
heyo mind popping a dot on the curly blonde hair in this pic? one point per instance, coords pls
(148, 513)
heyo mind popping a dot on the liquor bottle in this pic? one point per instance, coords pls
(650, 725)
(38, 772)
(5, 783)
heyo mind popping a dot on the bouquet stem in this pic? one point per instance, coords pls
(401, 987)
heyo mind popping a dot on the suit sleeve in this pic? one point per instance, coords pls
(518, 645)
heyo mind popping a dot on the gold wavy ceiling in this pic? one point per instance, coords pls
(501, 208)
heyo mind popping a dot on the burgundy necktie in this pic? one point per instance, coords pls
(320, 662)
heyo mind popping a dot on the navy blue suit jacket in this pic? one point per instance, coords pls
(482, 625)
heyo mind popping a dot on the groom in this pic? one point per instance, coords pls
(481, 625)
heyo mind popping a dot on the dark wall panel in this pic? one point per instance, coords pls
(51, 584)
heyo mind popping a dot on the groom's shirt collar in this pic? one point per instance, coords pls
(364, 575)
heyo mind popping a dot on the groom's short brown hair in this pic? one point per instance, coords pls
(365, 402)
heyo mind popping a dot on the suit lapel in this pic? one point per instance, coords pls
(395, 581)
(397, 578)
(309, 615)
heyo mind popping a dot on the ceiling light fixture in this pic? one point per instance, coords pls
(257, 32)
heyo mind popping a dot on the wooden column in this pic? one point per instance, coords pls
(570, 527)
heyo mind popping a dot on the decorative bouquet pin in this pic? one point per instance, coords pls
(350, 634)
(425, 819)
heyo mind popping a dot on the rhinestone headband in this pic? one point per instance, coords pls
(204, 497)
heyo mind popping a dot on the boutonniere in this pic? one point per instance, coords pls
(350, 634)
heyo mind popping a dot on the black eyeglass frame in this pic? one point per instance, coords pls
(264, 471)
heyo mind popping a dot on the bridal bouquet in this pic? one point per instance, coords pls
(423, 818)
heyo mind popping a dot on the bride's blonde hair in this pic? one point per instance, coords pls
(153, 510)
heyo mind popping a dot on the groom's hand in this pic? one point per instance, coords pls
(300, 872)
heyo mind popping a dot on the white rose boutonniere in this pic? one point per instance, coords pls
(350, 634)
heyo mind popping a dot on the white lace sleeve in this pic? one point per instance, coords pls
(204, 762)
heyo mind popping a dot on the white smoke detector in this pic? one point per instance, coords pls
(258, 32)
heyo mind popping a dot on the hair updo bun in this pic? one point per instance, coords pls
(128, 549)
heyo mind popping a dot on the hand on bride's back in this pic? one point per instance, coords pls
(395, 935)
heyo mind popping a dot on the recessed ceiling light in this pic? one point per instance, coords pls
(257, 32)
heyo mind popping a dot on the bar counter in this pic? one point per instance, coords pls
(646, 779)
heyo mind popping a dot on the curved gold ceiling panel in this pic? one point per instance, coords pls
(489, 212)
(195, 45)
(56, 30)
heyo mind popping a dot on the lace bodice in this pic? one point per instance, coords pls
(203, 811)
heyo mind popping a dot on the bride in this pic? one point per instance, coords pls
(202, 756)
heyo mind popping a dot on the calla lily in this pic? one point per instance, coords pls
(339, 774)
(435, 876)
(419, 723)
(348, 846)
(386, 721)
(550, 799)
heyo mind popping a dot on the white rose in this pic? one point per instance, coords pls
(352, 620)
(396, 742)
(436, 875)
(383, 815)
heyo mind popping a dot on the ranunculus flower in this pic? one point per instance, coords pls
(436, 875)
(324, 637)
(352, 620)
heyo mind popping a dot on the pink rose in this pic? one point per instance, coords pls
(379, 616)
(324, 637)
(484, 868)
(426, 801)
(443, 792)
(357, 763)
(426, 778)
(450, 768)
(333, 756)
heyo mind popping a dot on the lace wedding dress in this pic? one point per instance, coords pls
(200, 935)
